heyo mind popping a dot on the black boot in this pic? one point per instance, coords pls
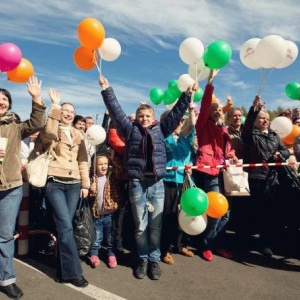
(12, 291)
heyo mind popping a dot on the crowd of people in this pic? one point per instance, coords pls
(128, 172)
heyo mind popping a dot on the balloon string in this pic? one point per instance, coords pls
(263, 78)
(100, 63)
(94, 162)
(262, 81)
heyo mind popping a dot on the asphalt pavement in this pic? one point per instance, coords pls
(249, 275)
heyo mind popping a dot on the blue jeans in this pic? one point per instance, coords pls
(103, 227)
(214, 234)
(143, 193)
(63, 199)
(10, 201)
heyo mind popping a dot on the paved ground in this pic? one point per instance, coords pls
(249, 275)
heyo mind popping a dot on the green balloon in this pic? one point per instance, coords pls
(194, 202)
(168, 97)
(198, 95)
(156, 95)
(173, 88)
(292, 90)
(217, 55)
(243, 119)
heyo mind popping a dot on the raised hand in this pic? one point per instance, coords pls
(34, 89)
(192, 88)
(54, 96)
(212, 75)
(103, 82)
(257, 102)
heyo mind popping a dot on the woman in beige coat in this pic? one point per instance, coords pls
(68, 180)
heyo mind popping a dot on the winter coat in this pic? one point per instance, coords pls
(10, 166)
(112, 193)
(70, 161)
(260, 147)
(236, 141)
(214, 144)
(137, 137)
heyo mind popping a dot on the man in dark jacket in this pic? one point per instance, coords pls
(146, 167)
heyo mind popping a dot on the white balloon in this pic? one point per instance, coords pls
(184, 81)
(191, 50)
(282, 126)
(290, 55)
(192, 225)
(95, 134)
(247, 53)
(270, 51)
(110, 49)
(198, 71)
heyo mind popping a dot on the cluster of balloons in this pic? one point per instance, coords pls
(96, 134)
(173, 92)
(292, 90)
(91, 35)
(201, 60)
(196, 205)
(272, 51)
(17, 68)
(286, 130)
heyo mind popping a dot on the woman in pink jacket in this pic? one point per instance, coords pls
(214, 146)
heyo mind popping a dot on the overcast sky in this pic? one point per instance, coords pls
(150, 33)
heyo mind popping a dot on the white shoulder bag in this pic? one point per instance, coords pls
(37, 169)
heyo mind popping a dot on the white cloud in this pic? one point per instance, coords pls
(151, 27)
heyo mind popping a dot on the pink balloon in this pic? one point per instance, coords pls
(10, 57)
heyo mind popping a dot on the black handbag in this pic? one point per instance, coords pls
(84, 229)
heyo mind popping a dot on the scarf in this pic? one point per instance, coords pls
(66, 129)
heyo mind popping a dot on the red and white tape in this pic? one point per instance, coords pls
(251, 165)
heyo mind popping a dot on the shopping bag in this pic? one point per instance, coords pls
(83, 225)
(235, 180)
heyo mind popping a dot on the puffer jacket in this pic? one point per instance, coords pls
(10, 167)
(214, 144)
(137, 137)
(260, 147)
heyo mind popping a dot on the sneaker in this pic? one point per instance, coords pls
(267, 251)
(94, 261)
(154, 270)
(168, 259)
(224, 253)
(207, 255)
(141, 270)
(112, 261)
(186, 252)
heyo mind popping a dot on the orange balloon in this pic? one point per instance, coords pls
(84, 58)
(91, 33)
(214, 99)
(289, 140)
(22, 72)
(218, 205)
